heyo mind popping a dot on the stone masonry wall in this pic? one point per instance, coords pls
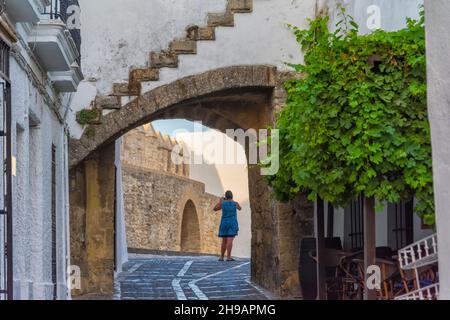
(92, 222)
(146, 148)
(154, 206)
(156, 193)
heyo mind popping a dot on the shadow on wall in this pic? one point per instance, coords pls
(190, 229)
(242, 244)
(218, 177)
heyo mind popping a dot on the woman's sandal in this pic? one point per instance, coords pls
(230, 260)
(221, 260)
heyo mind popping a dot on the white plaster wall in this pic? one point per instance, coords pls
(218, 177)
(391, 14)
(35, 129)
(438, 60)
(381, 227)
(338, 227)
(121, 234)
(119, 34)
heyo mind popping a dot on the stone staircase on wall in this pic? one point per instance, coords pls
(168, 58)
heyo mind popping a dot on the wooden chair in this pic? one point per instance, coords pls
(332, 259)
(353, 276)
(408, 280)
(356, 276)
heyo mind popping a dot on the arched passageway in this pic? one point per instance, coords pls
(190, 229)
(239, 97)
(225, 98)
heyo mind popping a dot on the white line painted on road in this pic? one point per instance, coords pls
(135, 267)
(185, 269)
(176, 282)
(199, 293)
(248, 280)
(178, 290)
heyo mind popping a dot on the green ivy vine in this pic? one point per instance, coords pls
(357, 121)
(88, 116)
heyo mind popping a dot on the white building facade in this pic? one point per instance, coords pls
(42, 74)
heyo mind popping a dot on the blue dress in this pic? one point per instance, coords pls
(229, 226)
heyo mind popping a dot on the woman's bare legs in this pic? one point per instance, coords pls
(229, 247)
(223, 248)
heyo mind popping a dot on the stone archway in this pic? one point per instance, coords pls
(239, 97)
(225, 98)
(190, 229)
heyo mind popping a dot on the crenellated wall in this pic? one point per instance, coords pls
(146, 148)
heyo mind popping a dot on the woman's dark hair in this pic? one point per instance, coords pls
(229, 195)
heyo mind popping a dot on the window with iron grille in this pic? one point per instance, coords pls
(4, 58)
(54, 248)
(401, 224)
(356, 224)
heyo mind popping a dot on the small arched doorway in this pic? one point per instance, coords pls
(190, 229)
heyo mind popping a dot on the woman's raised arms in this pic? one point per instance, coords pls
(218, 206)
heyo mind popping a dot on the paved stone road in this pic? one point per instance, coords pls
(186, 278)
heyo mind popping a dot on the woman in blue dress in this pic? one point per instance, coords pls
(229, 226)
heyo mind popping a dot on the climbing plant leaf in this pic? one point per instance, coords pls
(357, 121)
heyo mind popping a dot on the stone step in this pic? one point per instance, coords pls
(197, 33)
(124, 89)
(146, 74)
(221, 19)
(169, 58)
(107, 102)
(240, 6)
(163, 59)
(183, 46)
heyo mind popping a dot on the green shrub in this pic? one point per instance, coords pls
(357, 122)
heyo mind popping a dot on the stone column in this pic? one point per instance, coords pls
(92, 222)
(277, 228)
(438, 60)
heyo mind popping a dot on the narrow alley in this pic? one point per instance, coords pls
(148, 277)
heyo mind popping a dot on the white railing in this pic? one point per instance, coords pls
(419, 254)
(427, 293)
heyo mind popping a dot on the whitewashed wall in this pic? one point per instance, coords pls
(35, 127)
(389, 15)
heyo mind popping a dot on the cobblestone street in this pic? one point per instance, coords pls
(186, 278)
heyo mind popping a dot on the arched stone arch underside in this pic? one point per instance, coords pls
(190, 229)
(227, 98)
